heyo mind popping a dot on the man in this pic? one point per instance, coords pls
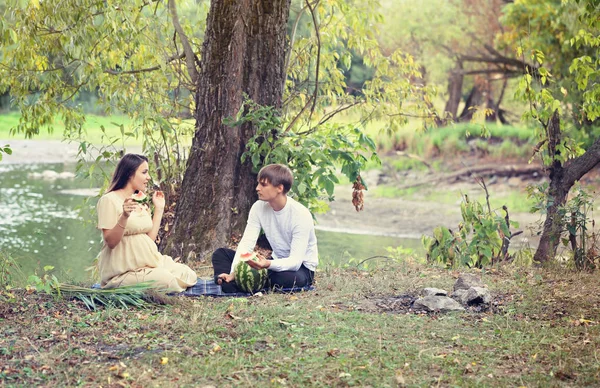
(289, 228)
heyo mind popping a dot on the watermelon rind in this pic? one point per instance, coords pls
(139, 197)
(249, 279)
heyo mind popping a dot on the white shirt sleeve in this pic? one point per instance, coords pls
(249, 238)
(300, 236)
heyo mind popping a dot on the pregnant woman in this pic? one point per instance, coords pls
(129, 254)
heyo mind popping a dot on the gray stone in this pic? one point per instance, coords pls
(466, 281)
(460, 296)
(433, 292)
(477, 295)
(437, 304)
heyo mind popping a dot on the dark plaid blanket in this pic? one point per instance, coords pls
(208, 287)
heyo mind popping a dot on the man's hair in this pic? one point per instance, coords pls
(277, 174)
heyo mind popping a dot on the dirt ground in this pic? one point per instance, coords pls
(411, 218)
(400, 217)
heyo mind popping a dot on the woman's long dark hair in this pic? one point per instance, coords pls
(126, 168)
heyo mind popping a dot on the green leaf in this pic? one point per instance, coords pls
(301, 188)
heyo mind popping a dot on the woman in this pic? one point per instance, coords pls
(129, 255)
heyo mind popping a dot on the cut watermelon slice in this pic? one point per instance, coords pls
(139, 197)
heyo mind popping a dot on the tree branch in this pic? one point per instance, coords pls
(328, 116)
(512, 73)
(146, 70)
(500, 59)
(576, 168)
(288, 57)
(314, 18)
(187, 48)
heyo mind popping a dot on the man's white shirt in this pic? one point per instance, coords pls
(290, 231)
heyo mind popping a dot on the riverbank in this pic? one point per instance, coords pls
(403, 216)
(31, 151)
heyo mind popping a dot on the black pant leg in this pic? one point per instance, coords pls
(287, 279)
(222, 259)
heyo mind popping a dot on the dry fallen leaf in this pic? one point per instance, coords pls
(400, 379)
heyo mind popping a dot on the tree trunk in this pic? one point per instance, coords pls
(243, 52)
(480, 97)
(455, 84)
(562, 178)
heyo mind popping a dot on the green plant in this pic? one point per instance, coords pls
(577, 219)
(5, 150)
(46, 283)
(10, 275)
(126, 296)
(483, 237)
(314, 159)
(135, 295)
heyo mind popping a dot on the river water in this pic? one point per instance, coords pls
(51, 222)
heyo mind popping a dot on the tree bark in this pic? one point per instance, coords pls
(243, 52)
(455, 84)
(562, 178)
(480, 97)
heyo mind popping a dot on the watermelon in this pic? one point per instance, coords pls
(247, 278)
(139, 197)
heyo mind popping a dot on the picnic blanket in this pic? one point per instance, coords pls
(208, 287)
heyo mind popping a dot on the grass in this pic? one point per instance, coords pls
(515, 200)
(410, 138)
(543, 332)
(92, 127)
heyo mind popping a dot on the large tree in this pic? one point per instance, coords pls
(156, 62)
(563, 37)
(243, 54)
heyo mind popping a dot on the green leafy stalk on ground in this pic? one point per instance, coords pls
(542, 331)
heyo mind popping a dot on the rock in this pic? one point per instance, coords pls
(466, 281)
(437, 304)
(472, 296)
(434, 292)
(460, 296)
(477, 295)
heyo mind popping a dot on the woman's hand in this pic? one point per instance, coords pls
(129, 205)
(227, 277)
(158, 199)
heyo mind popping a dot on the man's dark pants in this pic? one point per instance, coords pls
(223, 257)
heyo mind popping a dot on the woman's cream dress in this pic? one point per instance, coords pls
(136, 259)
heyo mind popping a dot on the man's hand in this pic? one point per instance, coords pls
(260, 264)
(227, 277)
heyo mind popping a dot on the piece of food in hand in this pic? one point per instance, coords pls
(249, 256)
(247, 278)
(139, 197)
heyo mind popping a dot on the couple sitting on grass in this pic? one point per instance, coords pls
(130, 255)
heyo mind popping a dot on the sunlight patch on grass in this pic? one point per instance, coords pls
(92, 128)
